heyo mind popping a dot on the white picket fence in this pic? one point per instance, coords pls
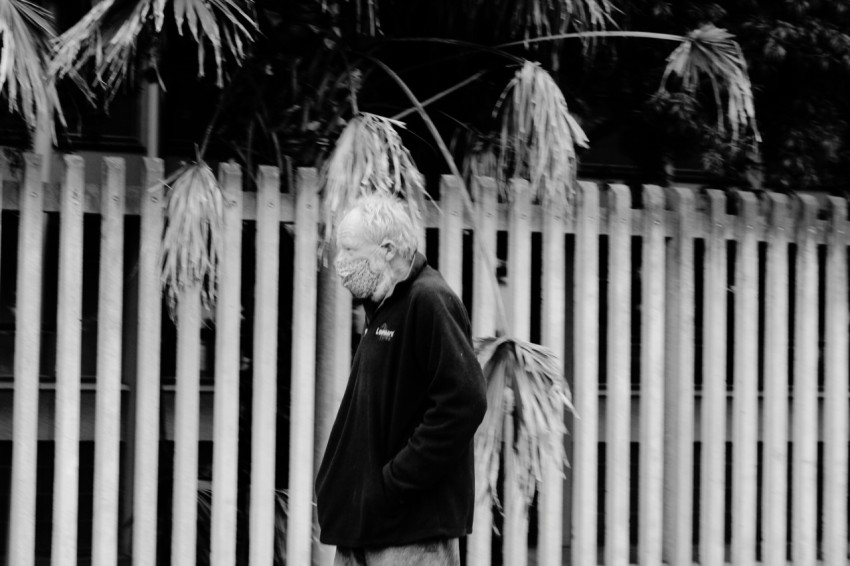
(732, 309)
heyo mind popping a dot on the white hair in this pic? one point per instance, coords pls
(385, 218)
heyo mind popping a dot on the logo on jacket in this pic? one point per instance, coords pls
(383, 333)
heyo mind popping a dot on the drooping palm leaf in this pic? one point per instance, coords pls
(25, 34)
(712, 53)
(525, 382)
(108, 35)
(192, 240)
(369, 157)
(538, 135)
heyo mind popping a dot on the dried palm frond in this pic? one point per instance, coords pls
(26, 31)
(192, 240)
(525, 382)
(369, 157)
(538, 135)
(713, 53)
(108, 34)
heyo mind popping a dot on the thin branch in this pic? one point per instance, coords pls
(440, 95)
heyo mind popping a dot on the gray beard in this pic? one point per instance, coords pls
(359, 278)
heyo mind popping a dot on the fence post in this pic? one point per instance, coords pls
(679, 369)
(804, 405)
(618, 378)
(775, 453)
(586, 382)
(713, 434)
(27, 352)
(836, 413)
(146, 462)
(68, 358)
(745, 400)
(300, 520)
(227, 375)
(451, 233)
(264, 402)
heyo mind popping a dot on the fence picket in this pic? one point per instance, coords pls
(146, 461)
(618, 388)
(264, 421)
(553, 336)
(650, 504)
(586, 380)
(27, 352)
(775, 441)
(804, 408)
(836, 413)
(745, 399)
(713, 425)
(300, 514)
(227, 362)
(68, 358)
(679, 384)
(451, 233)
(483, 324)
(519, 298)
(108, 403)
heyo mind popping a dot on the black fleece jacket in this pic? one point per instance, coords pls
(398, 467)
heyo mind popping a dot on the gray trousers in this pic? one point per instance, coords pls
(433, 553)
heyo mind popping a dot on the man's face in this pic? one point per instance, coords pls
(359, 262)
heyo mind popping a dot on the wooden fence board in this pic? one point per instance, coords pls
(552, 336)
(618, 390)
(805, 388)
(227, 364)
(679, 384)
(146, 461)
(108, 403)
(300, 514)
(745, 400)
(775, 439)
(515, 536)
(264, 422)
(483, 324)
(27, 351)
(650, 504)
(68, 360)
(451, 233)
(836, 411)
(586, 381)
(713, 453)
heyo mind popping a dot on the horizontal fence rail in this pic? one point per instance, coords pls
(704, 335)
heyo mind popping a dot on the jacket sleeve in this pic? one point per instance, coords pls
(456, 396)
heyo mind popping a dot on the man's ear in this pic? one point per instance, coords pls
(391, 249)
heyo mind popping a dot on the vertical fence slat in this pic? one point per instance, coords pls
(483, 324)
(586, 380)
(300, 516)
(679, 384)
(804, 408)
(264, 421)
(650, 505)
(68, 358)
(713, 410)
(146, 461)
(775, 442)
(27, 351)
(451, 233)
(745, 400)
(836, 413)
(519, 299)
(553, 336)
(186, 415)
(227, 362)
(618, 378)
(108, 403)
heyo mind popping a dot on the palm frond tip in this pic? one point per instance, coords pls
(368, 157)
(525, 383)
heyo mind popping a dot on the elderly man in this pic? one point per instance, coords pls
(396, 485)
